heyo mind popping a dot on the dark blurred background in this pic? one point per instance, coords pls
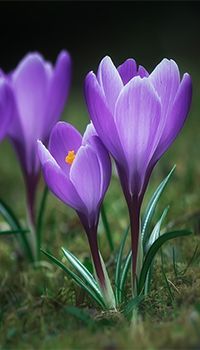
(147, 31)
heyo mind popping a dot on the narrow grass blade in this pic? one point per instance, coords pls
(13, 222)
(85, 274)
(109, 296)
(9, 215)
(124, 274)
(153, 250)
(119, 264)
(107, 227)
(195, 256)
(146, 221)
(76, 278)
(13, 232)
(40, 220)
(156, 231)
(165, 277)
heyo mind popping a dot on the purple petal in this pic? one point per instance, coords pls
(142, 72)
(57, 181)
(110, 81)
(88, 134)
(59, 89)
(85, 174)
(127, 70)
(90, 137)
(64, 138)
(166, 80)
(104, 163)
(6, 107)
(30, 85)
(137, 117)
(101, 117)
(176, 116)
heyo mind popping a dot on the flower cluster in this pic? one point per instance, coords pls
(135, 117)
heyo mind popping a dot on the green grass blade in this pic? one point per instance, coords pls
(85, 274)
(40, 220)
(11, 232)
(165, 277)
(124, 274)
(107, 227)
(156, 231)
(119, 264)
(146, 221)
(153, 250)
(13, 222)
(108, 294)
(75, 277)
(9, 215)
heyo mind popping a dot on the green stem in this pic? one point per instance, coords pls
(40, 220)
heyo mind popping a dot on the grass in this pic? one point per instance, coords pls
(41, 308)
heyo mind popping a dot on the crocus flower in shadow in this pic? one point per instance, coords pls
(78, 170)
(6, 107)
(39, 91)
(137, 116)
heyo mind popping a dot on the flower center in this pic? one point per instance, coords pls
(70, 157)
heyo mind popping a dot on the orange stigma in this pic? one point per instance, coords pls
(70, 157)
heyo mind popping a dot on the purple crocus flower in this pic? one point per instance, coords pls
(78, 170)
(137, 116)
(6, 107)
(39, 91)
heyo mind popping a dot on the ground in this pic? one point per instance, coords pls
(41, 308)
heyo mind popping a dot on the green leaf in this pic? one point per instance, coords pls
(76, 278)
(156, 231)
(153, 250)
(9, 215)
(108, 294)
(107, 227)
(146, 221)
(132, 305)
(10, 232)
(119, 264)
(40, 220)
(13, 222)
(124, 274)
(85, 274)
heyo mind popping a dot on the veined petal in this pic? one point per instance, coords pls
(6, 107)
(88, 134)
(142, 72)
(58, 90)
(137, 116)
(85, 174)
(110, 81)
(64, 138)
(127, 70)
(176, 116)
(57, 181)
(104, 163)
(30, 83)
(102, 119)
(166, 79)
(90, 137)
